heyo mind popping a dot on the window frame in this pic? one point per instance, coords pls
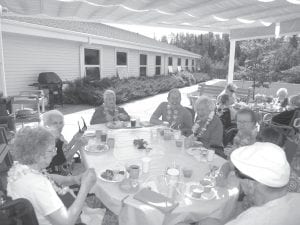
(170, 57)
(143, 66)
(158, 66)
(82, 60)
(116, 57)
(178, 60)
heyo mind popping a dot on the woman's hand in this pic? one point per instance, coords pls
(88, 179)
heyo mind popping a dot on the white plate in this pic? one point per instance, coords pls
(90, 133)
(117, 178)
(95, 148)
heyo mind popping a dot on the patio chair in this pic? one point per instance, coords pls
(29, 114)
(39, 93)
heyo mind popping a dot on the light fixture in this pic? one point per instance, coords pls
(220, 18)
(297, 2)
(277, 30)
(245, 21)
(265, 23)
(186, 24)
(189, 14)
(266, 0)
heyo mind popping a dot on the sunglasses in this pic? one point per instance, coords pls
(242, 176)
(232, 91)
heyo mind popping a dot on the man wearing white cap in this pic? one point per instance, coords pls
(264, 174)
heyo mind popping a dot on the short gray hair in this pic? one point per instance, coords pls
(29, 143)
(108, 92)
(205, 100)
(48, 116)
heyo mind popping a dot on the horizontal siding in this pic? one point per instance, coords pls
(108, 62)
(25, 57)
(133, 63)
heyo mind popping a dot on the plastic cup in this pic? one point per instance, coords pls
(179, 143)
(133, 122)
(98, 134)
(177, 134)
(134, 171)
(146, 164)
(103, 137)
(207, 186)
(187, 172)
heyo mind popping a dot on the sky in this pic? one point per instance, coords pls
(156, 32)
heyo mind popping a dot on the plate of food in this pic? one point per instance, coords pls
(113, 175)
(115, 124)
(97, 148)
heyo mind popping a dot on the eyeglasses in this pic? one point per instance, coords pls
(242, 176)
(232, 91)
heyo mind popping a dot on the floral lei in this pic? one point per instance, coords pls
(200, 131)
(19, 170)
(107, 113)
(172, 114)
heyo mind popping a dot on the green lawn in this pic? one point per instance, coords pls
(292, 88)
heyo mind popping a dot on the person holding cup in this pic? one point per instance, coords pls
(109, 111)
(172, 112)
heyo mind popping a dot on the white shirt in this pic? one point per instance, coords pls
(281, 211)
(39, 191)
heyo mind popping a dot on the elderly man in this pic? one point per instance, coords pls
(264, 180)
(174, 113)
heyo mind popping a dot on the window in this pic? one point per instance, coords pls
(193, 65)
(157, 65)
(121, 58)
(143, 65)
(92, 63)
(170, 61)
(186, 62)
(179, 62)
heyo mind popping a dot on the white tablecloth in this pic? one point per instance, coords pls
(163, 154)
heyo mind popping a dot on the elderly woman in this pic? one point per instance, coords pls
(287, 117)
(282, 97)
(246, 131)
(207, 128)
(109, 111)
(32, 150)
(54, 120)
(174, 113)
(230, 90)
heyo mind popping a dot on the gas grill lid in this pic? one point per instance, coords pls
(49, 78)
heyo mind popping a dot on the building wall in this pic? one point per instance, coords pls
(26, 56)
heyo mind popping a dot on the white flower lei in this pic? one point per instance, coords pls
(196, 126)
(18, 170)
(172, 114)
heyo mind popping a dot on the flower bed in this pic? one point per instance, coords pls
(83, 91)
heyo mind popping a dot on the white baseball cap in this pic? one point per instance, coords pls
(264, 162)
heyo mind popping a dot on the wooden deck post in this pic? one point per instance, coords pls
(231, 61)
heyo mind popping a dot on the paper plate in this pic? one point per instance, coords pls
(194, 151)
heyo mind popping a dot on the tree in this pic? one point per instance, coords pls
(164, 39)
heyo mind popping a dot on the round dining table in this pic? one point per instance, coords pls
(163, 154)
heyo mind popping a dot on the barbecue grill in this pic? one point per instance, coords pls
(51, 82)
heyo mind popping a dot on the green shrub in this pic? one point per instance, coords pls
(83, 91)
